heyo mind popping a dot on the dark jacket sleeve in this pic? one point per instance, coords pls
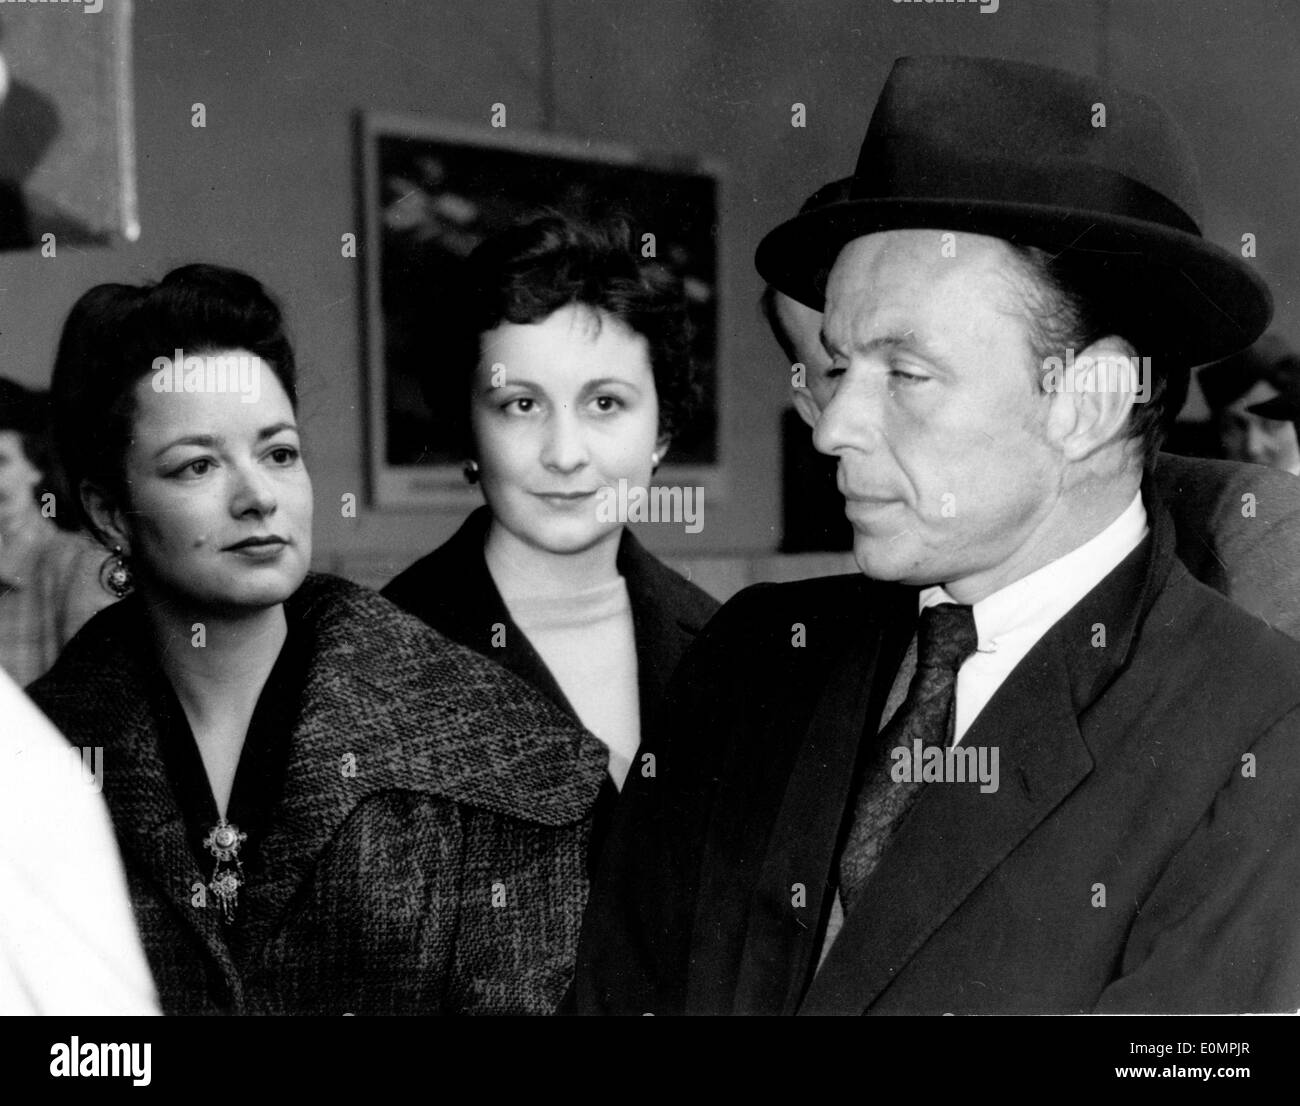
(1220, 930)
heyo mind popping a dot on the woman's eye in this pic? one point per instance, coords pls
(283, 455)
(522, 406)
(607, 404)
(198, 467)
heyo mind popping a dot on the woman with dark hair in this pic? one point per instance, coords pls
(323, 805)
(48, 575)
(567, 373)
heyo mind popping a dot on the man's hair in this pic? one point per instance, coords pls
(110, 340)
(1066, 311)
(528, 272)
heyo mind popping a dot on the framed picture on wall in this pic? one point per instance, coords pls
(430, 192)
(67, 139)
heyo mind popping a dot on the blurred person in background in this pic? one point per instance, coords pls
(1254, 400)
(49, 577)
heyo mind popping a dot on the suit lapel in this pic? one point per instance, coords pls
(780, 947)
(956, 835)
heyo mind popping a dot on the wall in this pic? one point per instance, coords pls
(269, 183)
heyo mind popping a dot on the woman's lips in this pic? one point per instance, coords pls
(259, 549)
(564, 498)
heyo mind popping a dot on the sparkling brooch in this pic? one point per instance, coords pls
(223, 842)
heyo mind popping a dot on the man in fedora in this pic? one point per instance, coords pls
(1024, 762)
(1252, 556)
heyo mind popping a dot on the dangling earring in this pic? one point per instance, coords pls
(115, 574)
(470, 468)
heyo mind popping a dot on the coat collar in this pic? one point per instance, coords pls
(453, 590)
(388, 704)
(955, 836)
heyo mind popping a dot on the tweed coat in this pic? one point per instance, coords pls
(1141, 854)
(427, 853)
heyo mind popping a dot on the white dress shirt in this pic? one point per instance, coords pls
(1011, 621)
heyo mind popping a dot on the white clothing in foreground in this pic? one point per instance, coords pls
(68, 942)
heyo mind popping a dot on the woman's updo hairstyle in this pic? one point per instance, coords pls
(110, 340)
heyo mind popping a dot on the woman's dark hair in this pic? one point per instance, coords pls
(110, 341)
(526, 273)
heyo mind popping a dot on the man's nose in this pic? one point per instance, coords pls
(851, 419)
(565, 446)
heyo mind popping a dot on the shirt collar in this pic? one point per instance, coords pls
(1037, 601)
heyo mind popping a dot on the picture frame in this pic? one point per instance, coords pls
(430, 191)
(67, 127)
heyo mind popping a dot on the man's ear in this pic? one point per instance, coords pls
(805, 405)
(106, 513)
(1093, 399)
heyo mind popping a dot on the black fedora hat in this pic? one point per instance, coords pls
(1011, 150)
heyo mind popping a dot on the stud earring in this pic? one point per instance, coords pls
(654, 457)
(115, 574)
(470, 469)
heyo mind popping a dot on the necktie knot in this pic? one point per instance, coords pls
(946, 636)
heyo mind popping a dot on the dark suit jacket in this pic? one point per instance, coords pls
(426, 855)
(1157, 774)
(452, 590)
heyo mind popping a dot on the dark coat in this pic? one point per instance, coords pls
(1238, 528)
(443, 873)
(452, 590)
(1160, 769)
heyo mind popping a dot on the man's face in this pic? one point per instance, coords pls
(931, 406)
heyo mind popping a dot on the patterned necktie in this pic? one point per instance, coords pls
(945, 638)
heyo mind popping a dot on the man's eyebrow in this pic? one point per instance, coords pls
(894, 340)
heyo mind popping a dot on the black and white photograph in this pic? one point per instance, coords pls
(596, 508)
